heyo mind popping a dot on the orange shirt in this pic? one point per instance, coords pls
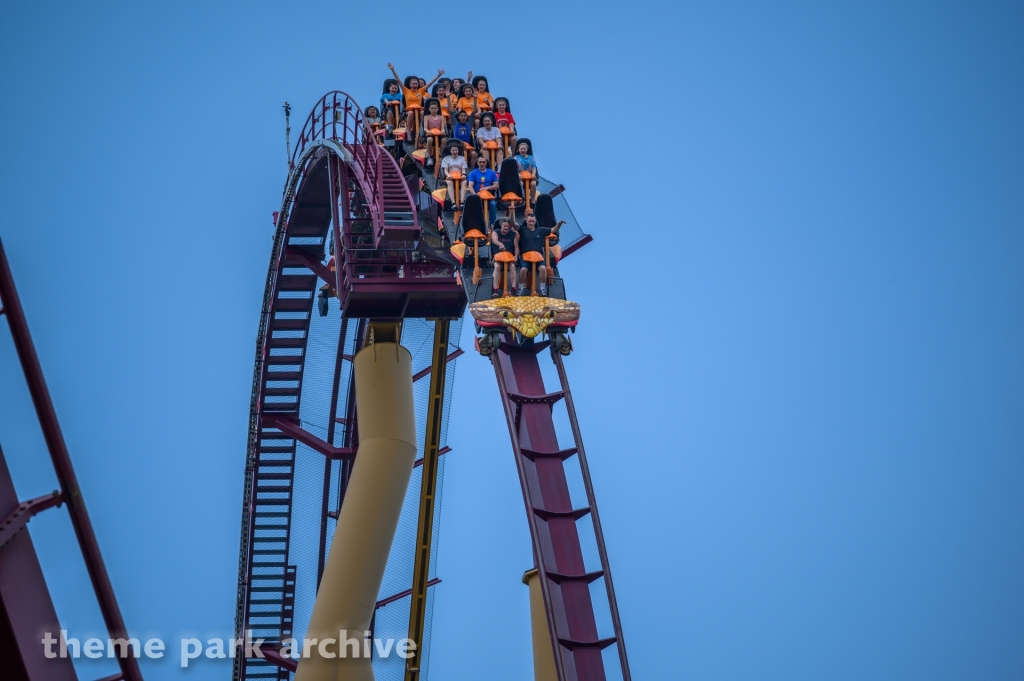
(466, 104)
(484, 100)
(414, 97)
(446, 103)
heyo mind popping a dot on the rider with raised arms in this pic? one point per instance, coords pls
(414, 91)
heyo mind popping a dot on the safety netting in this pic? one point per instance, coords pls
(312, 471)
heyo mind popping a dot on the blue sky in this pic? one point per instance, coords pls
(798, 372)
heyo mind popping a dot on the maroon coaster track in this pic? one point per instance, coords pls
(346, 195)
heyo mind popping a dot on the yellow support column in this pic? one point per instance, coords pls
(543, 656)
(366, 526)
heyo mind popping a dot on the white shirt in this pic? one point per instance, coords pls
(454, 162)
(486, 135)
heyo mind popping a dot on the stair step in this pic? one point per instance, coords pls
(289, 324)
(283, 376)
(296, 282)
(294, 392)
(293, 304)
(284, 360)
(273, 489)
(276, 342)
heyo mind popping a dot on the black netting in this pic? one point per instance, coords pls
(571, 232)
(306, 549)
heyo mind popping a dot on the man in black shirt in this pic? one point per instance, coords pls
(504, 239)
(532, 238)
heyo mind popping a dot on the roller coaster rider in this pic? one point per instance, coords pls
(484, 100)
(526, 163)
(503, 119)
(504, 239)
(414, 91)
(483, 178)
(467, 101)
(433, 124)
(440, 93)
(462, 132)
(372, 119)
(455, 87)
(391, 101)
(453, 163)
(488, 141)
(534, 238)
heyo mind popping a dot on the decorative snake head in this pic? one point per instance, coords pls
(529, 315)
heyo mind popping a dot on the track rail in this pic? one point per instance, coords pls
(552, 518)
(331, 139)
(344, 194)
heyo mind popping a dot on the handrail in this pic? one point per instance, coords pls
(337, 116)
(344, 114)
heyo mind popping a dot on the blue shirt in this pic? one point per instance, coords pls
(480, 180)
(462, 131)
(388, 97)
(525, 163)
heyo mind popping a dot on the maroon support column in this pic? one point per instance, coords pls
(62, 465)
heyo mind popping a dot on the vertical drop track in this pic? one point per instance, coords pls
(565, 582)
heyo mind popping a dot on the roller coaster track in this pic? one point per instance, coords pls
(345, 196)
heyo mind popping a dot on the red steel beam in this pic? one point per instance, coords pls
(296, 432)
(274, 657)
(21, 515)
(426, 372)
(310, 261)
(576, 246)
(62, 466)
(443, 450)
(402, 594)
